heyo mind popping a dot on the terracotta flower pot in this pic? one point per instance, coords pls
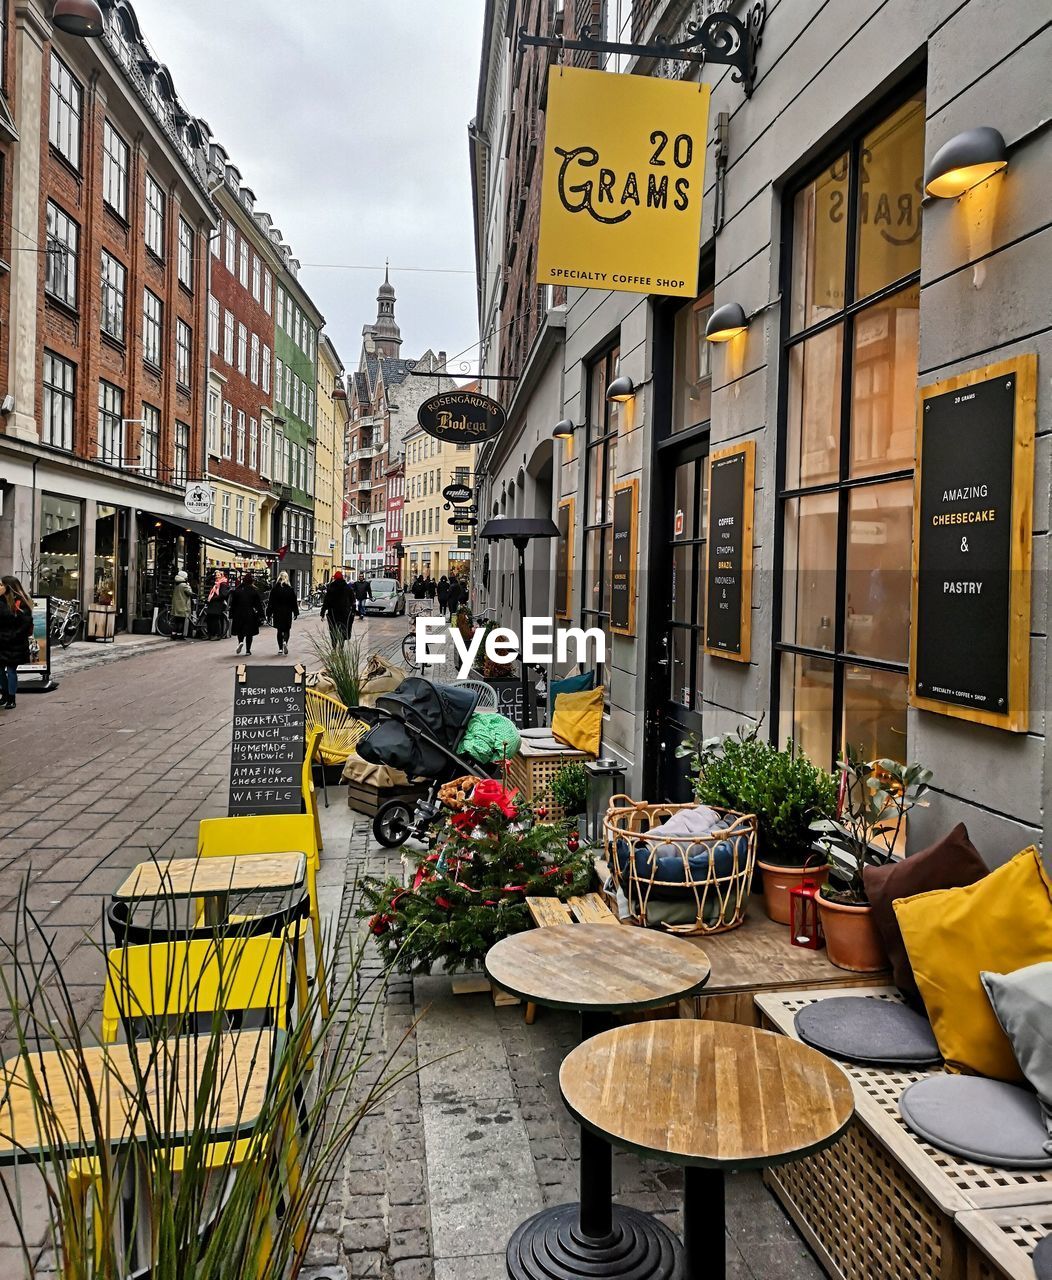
(777, 881)
(852, 940)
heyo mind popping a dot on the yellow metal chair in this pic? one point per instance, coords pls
(272, 833)
(199, 976)
(310, 792)
(340, 731)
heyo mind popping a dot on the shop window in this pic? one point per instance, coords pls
(107, 555)
(114, 283)
(60, 263)
(111, 424)
(58, 565)
(59, 380)
(692, 404)
(604, 420)
(846, 496)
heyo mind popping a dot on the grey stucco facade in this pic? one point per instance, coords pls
(985, 272)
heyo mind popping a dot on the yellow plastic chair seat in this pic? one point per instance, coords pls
(341, 733)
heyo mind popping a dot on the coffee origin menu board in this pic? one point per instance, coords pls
(623, 568)
(728, 577)
(266, 760)
(972, 545)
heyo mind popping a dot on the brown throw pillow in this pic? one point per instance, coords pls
(951, 863)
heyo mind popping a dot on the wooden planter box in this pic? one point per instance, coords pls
(367, 799)
(533, 770)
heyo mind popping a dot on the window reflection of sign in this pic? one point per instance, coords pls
(870, 533)
(625, 505)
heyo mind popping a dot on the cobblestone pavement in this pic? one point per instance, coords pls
(123, 760)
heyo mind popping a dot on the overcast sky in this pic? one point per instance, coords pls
(349, 122)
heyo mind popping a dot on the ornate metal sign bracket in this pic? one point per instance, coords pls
(719, 38)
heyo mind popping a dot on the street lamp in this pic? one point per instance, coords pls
(521, 532)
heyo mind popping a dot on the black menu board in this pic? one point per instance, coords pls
(728, 570)
(972, 548)
(266, 759)
(623, 570)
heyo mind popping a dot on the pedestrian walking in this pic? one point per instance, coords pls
(455, 598)
(282, 607)
(16, 626)
(338, 607)
(362, 592)
(442, 592)
(216, 606)
(429, 587)
(182, 598)
(246, 612)
(418, 587)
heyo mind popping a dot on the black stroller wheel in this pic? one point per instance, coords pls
(393, 824)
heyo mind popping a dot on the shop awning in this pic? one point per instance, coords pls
(217, 537)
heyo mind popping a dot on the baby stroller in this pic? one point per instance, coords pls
(417, 728)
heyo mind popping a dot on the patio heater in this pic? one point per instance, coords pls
(521, 532)
(606, 779)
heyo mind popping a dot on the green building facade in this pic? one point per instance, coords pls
(297, 324)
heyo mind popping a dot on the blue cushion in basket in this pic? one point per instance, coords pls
(665, 861)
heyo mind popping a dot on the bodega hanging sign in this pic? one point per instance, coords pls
(624, 169)
(461, 417)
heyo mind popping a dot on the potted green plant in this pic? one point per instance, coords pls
(875, 796)
(569, 789)
(785, 791)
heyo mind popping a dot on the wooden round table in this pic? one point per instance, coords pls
(712, 1096)
(599, 970)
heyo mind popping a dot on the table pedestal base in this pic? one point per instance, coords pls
(552, 1246)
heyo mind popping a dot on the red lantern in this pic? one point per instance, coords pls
(805, 926)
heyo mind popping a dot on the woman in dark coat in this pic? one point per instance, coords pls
(418, 588)
(338, 606)
(282, 607)
(246, 612)
(442, 591)
(455, 598)
(16, 626)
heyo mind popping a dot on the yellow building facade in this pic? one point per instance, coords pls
(328, 463)
(432, 546)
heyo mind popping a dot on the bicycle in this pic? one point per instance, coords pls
(196, 622)
(67, 618)
(418, 609)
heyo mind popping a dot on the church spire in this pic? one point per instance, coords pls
(386, 334)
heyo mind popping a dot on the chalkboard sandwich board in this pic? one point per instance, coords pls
(972, 545)
(623, 570)
(266, 759)
(728, 569)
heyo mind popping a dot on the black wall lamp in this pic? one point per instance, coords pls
(621, 390)
(78, 17)
(965, 161)
(563, 430)
(726, 322)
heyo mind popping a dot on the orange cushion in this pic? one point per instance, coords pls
(1001, 923)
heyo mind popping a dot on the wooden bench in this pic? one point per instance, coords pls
(589, 908)
(882, 1202)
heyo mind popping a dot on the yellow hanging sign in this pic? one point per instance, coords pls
(624, 170)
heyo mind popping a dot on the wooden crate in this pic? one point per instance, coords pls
(533, 771)
(367, 799)
(881, 1201)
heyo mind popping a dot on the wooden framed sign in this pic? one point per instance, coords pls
(266, 758)
(728, 570)
(625, 533)
(564, 560)
(972, 545)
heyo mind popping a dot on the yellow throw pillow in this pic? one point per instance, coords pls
(578, 720)
(1001, 923)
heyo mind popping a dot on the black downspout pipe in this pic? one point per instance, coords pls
(527, 715)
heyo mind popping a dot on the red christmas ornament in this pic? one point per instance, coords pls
(542, 813)
(379, 924)
(444, 903)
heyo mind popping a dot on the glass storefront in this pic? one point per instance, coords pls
(59, 547)
(109, 577)
(847, 490)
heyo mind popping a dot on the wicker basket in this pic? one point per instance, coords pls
(720, 899)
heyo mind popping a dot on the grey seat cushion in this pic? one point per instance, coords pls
(867, 1029)
(1042, 1259)
(986, 1120)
